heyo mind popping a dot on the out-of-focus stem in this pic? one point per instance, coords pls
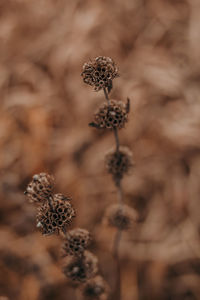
(116, 139)
(106, 95)
(117, 239)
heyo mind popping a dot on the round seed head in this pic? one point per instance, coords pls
(55, 215)
(95, 288)
(40, 188)
(100, 72)
(119, 162)
(110, 116)
(121, 217)
(76, 241)
(80, 269)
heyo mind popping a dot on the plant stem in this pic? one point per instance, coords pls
(117, 239)
(116, 139)
(106, 95)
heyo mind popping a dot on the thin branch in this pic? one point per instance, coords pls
(117, 239)
(106, 95)
(116, 244)
(116, 139)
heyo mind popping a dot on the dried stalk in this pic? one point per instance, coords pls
(117, 239)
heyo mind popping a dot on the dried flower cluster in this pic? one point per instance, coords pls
(76, 241)
(119, 162)
(100, 72)
(95, 288)
(111, 115)
(80, 269)
(120, 217)
(55, 211)
(55, 215)
(40, 188)
(81, 266)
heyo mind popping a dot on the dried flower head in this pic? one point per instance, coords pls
(119, 216)
(40, 188)
(82, 268)
(95, 288)
(55, 215)
(112, 115)
(100, 72)
(119, 162)
(76, 241)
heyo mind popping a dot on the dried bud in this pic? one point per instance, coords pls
(40, 188)
(119, 216)
(76, 241)
(110, 116)
(95, 288)
(119, 162)
(100, 72)
(55, 215)
(82, 268)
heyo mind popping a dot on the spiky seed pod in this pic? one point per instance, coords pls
(121, 217)
(76, 241)
(119, 162)
(100, 72)
(80, 269)
(40, 188)
(112, 115)
(55, 215)
(95, 288)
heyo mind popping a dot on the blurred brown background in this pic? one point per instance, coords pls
(44, 116)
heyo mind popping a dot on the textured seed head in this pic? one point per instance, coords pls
(76, 241)
(110, 116)
(40, 188)
(119, 216)
(119, 162)
(100, 72)
(80, 269)
(95, 288)
(55, 215)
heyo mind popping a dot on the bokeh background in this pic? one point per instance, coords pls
(44, 116)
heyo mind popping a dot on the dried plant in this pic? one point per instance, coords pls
(112, 115)
(55, 215)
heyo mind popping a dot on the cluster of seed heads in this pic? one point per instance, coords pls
(76, 242)
(56, 215)
(121, 217)
(119, 163)
(100, 72)
(40, 188)
(95, 288)
(55, 211)
(111, 115)
(80, 269)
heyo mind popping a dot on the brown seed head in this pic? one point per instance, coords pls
(40, 188)
(55, 215)
(100, 72)
(119, 216)
(119, 162)
(76, 241)
(82, 268)
(110, 116)
(95, 288)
